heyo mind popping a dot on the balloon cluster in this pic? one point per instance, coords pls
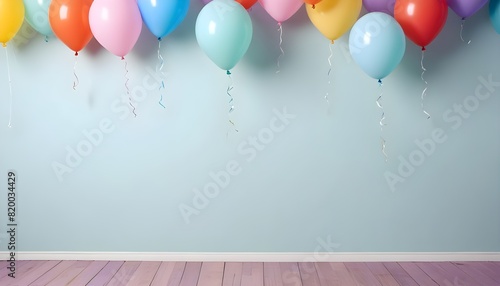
(224, 27)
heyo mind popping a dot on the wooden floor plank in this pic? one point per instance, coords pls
(361, 274)
(35, 273)
(459, 277)
(290, 273)
(399, 274)
(88, 273)
(417, 274)
(308, 274)
(272, 274)
(325, 274)
(164, 273)
(50, 275)
(437, 273)
(124, 274)
(145, 273)
(342, 274)
(211, 274)
(69, 274)
(107, 272)
(4, 267)
(479, 276)
(252, 274)
(191, 274)
(232, 274)
(494, 269)
(176, 277)
(21, 271)
(382, 274)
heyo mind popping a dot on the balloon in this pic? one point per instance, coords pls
(334, 17)
(386, 6)
(224, 32)
(421, 20)
(495, 14)
(70, 22)
(37, 15)
(281, 10)
(466, 8)
(11, 19)
(377, 44)
(246, 3)
(312, 2)
(163, 16)
(116, 24)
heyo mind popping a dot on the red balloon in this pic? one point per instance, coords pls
(69, 20)
(247, 3)
(421, 20)
(312, 2)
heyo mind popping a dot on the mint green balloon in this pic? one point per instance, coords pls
(37, 15)
(224, 32)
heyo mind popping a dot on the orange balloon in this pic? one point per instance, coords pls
(312, 2)
(421, 20)
(69, 19)
(247, 3)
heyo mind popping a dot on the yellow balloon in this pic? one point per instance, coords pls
(333, 18)
(11, 19)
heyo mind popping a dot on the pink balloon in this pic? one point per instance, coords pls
(281, 10)
(116, 24)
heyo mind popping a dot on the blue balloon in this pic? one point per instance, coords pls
(163, 16)
(495, 14)
(377, 44)
(224, 31)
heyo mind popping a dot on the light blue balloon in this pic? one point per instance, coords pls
(377, 44)
(163, 16)
(37, 15)
(495, 14)
(224, 31)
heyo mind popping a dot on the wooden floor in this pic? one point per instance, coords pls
(218, 273)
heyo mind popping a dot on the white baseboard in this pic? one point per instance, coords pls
(260, 256)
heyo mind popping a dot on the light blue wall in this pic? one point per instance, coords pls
(320, 178)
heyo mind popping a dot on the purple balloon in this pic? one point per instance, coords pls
(466, 8)
(386, 6)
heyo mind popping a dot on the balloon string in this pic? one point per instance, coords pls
(10, 88)
(329, 75)
(159, 69)
(230, 87)
(462, 31)
(382, 118)
(77, 80)
(424, 92)
(280, 29)
(46, 39)
(127, 88)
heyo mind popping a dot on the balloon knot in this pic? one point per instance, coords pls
(4, 45)
(333, 42)
(76, 54)
(159, 39)
(123, 58)
(463, 18)
(423, 49)
(279, 23)
(380, 81)
(228, 72)
(314, 6)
